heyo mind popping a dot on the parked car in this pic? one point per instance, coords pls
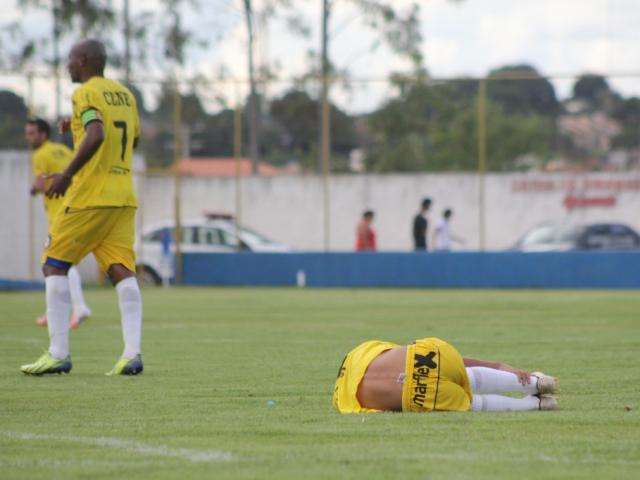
(215, 234)
(561, 237)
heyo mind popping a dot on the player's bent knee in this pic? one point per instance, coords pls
(128, 291)
(118, 272)
(53, 266)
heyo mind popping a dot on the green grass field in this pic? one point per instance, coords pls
(215, 358)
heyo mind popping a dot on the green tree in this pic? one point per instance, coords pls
(13, 115)
(628, 114)
(159, 147)
(296, 113)
(520, 89)
(590, 87)
(434, 127)
(595, 91)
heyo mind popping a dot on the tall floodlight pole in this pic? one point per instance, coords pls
(237, 154)
(127, 43)
(177, 180)
(325, 139)
(253, 97)
(56, 57)
(482, 161)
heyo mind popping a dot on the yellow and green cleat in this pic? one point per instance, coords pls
(127, 366)
(47, 364)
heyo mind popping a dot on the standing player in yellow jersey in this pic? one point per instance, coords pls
(99, 208)
(49, 158)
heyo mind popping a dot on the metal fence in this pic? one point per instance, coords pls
(516, 146)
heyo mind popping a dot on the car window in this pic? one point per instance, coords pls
(155, 236)
(193, 234)
(188, 234)
(254, 237)
(622, 237)
(597, 237)
(567, 234)
(228, 238)
(538, 236)
(210, 236)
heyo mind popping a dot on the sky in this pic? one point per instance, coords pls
(561, 38)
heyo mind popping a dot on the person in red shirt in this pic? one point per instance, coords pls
(365, 234)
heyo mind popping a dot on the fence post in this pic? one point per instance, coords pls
(237, 154)
(31, 219)
(325, 140)
(482, 161)
(177, 190)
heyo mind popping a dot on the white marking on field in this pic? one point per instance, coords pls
(79, 462)
(587, 460)
(196, 456)
(29, 340)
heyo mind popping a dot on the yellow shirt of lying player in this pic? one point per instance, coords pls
(47, 159)
(106, 180)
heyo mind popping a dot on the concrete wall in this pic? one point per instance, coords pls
(23, 222)
(290, 209)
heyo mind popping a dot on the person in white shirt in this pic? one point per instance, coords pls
(442, 237)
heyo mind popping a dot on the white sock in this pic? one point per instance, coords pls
(75, 287)
(488, 380)
(130, 302)
(58, 311)
(500, 403)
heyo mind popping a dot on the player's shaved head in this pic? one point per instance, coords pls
(87, 58)
(94, 52)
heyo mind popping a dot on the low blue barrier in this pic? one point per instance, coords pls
(439, 270)
(6, 284)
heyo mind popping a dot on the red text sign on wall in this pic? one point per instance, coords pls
(535, 185)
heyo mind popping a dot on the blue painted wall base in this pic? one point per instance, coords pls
(435, 270)
(6, 284)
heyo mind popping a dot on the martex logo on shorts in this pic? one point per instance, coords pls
(421, 366)
(424, 360)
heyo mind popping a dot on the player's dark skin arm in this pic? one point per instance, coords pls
(94, 136)
(524, 377)
(89, 146)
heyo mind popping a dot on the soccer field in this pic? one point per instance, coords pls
(238, 383)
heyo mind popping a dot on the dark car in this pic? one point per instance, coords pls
(596, 236)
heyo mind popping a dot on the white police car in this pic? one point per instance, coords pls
(214, 233)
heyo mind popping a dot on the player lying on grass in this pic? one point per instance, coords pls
(430, 375)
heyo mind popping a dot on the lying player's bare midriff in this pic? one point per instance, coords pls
(381, 386)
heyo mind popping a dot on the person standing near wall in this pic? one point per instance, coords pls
(442, 237)
(421, 226)
(365, 234)
(51, 158)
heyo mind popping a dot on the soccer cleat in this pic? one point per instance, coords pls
(128, 366)
(547, 402)
(78, 317)
(42, 321)
(46, 364)
(545, 383)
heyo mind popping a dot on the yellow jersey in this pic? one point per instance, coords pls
(106, 180)
(47, 159)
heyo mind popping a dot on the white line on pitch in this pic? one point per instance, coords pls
(130, 445)
(29, 340)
